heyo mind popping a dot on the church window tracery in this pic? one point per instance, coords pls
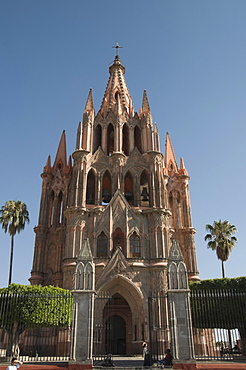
(102, 245)
(134, 245)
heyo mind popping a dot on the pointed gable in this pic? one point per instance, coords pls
(85, 251)
(99, 159)
(136, 157)
(177, 273)
(175, 253)
(117, 266)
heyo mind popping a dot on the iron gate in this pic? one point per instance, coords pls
(158, 329)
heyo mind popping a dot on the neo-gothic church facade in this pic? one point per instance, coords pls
(118, 191)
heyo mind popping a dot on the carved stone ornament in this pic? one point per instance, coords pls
(175, 253)
(117, 266)
(58, 183)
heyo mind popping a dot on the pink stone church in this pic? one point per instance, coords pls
(130, 201)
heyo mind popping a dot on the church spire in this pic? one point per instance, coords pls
(145, 104)
(89, 107)
(117, 97)
(170, 159)
(183, 171)
(61, 155)
(47, 167)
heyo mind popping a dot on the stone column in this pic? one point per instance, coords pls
(83, 319)
(182, 347)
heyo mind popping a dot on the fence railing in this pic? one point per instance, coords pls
(35, 327)
(39, 328)
(219, 322)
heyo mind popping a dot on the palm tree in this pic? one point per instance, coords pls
(13, 216)
(220, 239)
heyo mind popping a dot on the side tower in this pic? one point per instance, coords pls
(51, 230)
(129, 200)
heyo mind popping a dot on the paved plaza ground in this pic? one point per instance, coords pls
(133, 363)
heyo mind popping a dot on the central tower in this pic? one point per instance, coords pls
(120, 192)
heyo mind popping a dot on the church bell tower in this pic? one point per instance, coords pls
(119, 191)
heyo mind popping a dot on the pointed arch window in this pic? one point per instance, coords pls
(106, 188)
(125, 139)
(56, 207)
(173, 277)
(89, 276)
(110, 139)
(79, 276)
(137, 138)
(128, 188)
(119, 239)
(102, 245)
(135, 245)
(51, 208)
(179, 211)
(182, 276)
(90, 190)
(172, 223)
(60, 208)
(144, 188)
(97, 138)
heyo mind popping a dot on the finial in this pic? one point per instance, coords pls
(117, 47)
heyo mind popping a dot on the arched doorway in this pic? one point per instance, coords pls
(118, 325)
(116, 335)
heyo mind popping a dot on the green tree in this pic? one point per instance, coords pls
(25, 307)
(13, 217)
(221, 240)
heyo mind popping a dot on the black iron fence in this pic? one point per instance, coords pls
(39, 328)
(219, 323)
(158, 329)
(102, 336)
(35, 327)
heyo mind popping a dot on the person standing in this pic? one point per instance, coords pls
(144, 346)
(15, 364)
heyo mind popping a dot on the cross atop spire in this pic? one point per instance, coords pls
(117, 47)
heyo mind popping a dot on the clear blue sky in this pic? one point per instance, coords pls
(189, 55)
